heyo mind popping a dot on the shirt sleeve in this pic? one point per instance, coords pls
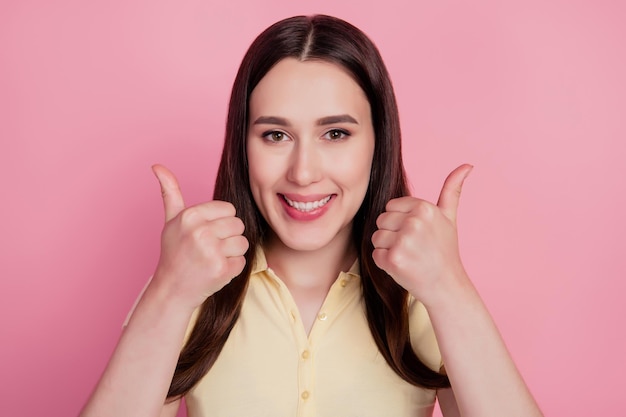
(422, 336)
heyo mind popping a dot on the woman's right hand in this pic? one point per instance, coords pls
(202, 247)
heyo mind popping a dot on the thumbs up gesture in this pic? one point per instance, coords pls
(202, 247)
(416, 241)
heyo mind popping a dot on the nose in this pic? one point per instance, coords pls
(305, 166)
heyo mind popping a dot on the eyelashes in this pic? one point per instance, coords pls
(277, 136)
(274, 136)
(337, 134)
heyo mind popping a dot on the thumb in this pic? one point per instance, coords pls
(172, 197)
(451, 191)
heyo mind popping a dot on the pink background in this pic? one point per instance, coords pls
(532, 93)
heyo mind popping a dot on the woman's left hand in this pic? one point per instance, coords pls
(416, 241)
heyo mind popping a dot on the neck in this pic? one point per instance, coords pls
(310, 270)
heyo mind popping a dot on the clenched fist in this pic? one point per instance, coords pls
(202, 247)
(417, 244)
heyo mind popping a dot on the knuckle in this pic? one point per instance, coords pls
(199, 236)
(378, 258)
(427, 210)
(376, 238)
(238, 226)
(413, 223)
(245, 245)
(236, 244)
(188, 216)
(379, 220)
(404, 242)
(227, 208)
(239, 264)
(424, 210)
(396, 256)
(219, 266)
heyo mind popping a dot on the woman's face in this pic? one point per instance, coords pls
(310, 145)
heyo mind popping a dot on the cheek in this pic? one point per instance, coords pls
(255, 164)
(261, 174)
(254, 171)
(256, 187)
(357, 168)
(353, 174)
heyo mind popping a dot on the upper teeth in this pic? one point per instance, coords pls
(309, 205)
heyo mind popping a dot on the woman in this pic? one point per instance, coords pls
(300, 282)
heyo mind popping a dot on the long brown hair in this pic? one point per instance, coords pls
(336, 41)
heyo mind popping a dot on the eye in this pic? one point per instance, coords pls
(336, 134)
(275, 136)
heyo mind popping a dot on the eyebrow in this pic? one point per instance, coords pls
(342, 118)
(328, 120)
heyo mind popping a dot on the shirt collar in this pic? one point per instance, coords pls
(260, 263)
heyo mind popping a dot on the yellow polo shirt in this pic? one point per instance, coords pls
(270, 367)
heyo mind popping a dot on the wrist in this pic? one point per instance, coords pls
(166, 296)
(453, 289)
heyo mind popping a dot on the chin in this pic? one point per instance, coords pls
(316, 238)
(306, 242)
(304, 245)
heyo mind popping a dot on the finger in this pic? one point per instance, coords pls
(235, 265)
(232, 268)
(214, 210)
(234, 246)
(379, 256)
(402, 204)
(170, 190)
(226, 227)
(391, 220)
(451, 191)
(383, 239)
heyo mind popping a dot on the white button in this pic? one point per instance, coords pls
(322, 316)
(343, 283)
(306, 354)
(305, 395)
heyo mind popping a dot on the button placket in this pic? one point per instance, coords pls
(305, 382)
(302, 346)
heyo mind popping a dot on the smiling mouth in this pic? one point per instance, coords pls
(309, 205)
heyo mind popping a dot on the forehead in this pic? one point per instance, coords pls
(307, 90)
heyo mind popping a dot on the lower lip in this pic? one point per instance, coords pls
(308, 215)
